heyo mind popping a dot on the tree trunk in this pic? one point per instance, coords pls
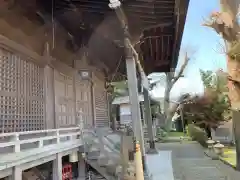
(236, 131)
(171, 111)
(169, 116)
(208, 131)
(167, 111)
(227, 17)
(166, 102)
(234, 96)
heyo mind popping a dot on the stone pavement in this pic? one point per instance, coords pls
(190, 163)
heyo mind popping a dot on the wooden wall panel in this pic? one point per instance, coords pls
(84, 102)
(21, 93)
(64, 100)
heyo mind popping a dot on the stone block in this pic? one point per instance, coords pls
(103, 161)
(118, 170)
(111, 169)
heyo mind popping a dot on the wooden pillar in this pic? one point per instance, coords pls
(132, 79)
(124, 154)
(143, 114)
(50, 97)
(134, 97)
(108, 96)
(17, 173)
(148, 118)
(49, 90)
(57, 167)
(133, 94)
(81, 168)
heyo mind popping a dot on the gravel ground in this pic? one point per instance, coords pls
(190, 163)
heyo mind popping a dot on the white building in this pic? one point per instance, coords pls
(125, 108)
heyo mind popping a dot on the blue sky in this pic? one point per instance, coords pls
(207, 44)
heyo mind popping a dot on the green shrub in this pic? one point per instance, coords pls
(117, 146)
(197, 134)
(161, 133)
(187, 131)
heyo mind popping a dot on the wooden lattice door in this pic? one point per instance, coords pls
(64, 100)
(84, 102)
(101, 103)
(21, 93)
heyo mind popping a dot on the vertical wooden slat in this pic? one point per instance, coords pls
(1, 89)
(157, 49)
(18, 62)
(101, 107)
(163, 49)
(56, 100)
(74, 100)
(27, 90)
(93, 103)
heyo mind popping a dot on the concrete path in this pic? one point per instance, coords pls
(190, 163)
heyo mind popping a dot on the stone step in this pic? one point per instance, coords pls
(113, 169)
(101, 170)
(93, 155)
(92, 175)
(103, 161)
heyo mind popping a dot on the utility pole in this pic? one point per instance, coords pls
(132, 78)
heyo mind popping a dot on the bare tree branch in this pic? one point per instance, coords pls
(238, 12)
(224, 24)
(186, 60)
(171, 79)
(221, 49)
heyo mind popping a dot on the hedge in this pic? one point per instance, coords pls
(197, 134)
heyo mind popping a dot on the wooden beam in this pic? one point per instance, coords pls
(11, 45)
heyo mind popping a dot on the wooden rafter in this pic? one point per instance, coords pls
(81, 18)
